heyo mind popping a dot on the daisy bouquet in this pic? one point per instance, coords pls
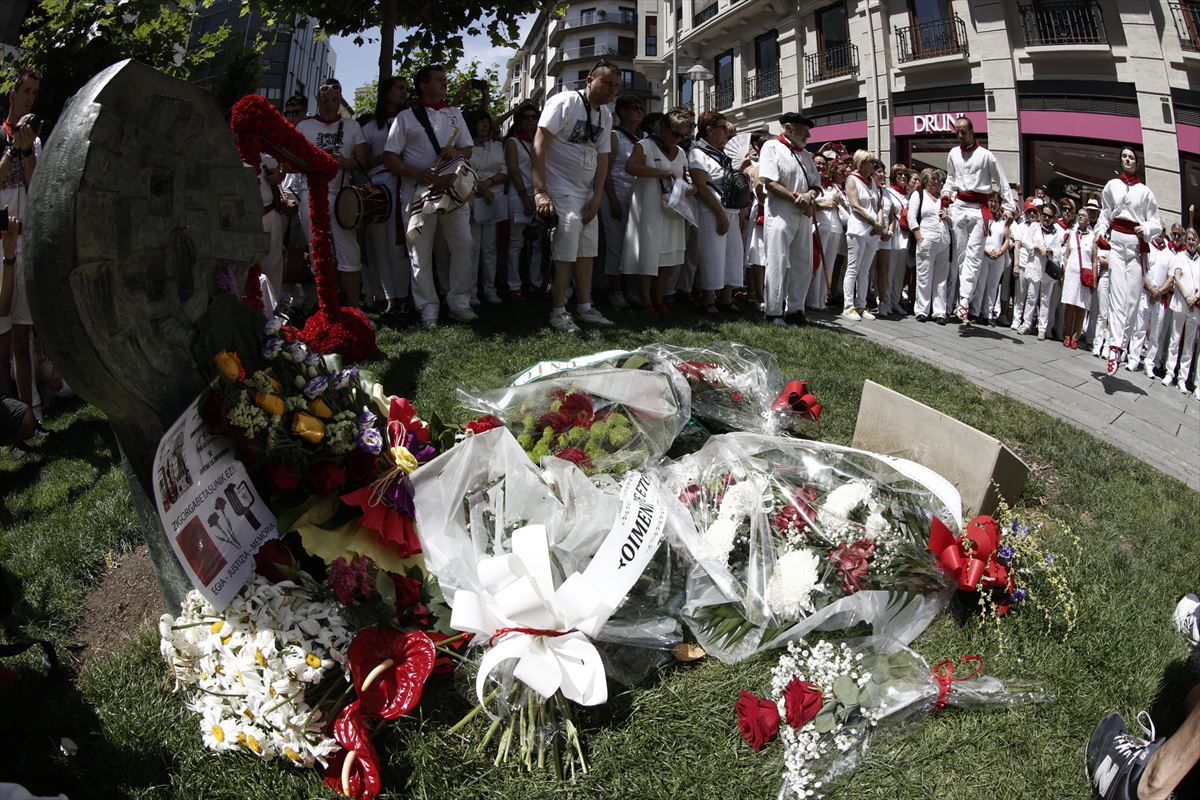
(808, 536)
(601, 417)
(564, 582)
(826, 701)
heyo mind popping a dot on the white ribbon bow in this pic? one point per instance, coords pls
(519, 593)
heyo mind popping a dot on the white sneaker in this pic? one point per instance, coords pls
(463, 315)
(1023, 330)
(1183, 390)
(866, 314)
(492, 297)
(617, 300)
(1187, 618)
(1041, 336)
(474, 300)
(594, 317)
(563, 323)
(853, 314)
(1168, 382)
(778, 322)
(429, 324)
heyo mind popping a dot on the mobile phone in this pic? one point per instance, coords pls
(478, 83)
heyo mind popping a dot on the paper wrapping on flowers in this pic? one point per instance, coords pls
(564, 582)
(602, 417)
(808, 536)
(828, 701)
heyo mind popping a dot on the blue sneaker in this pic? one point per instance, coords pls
(1116, 759)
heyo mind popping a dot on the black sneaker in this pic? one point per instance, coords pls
(922, 318)
(1116, 759)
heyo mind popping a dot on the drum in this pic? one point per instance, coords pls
(363, 205)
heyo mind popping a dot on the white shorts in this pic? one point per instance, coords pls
(20, 314)
(572, 239)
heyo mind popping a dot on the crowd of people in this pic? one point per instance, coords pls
(654, 211)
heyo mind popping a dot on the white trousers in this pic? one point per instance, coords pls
(897, 262)
(987, 288)
(789, 263)
(1124, 286)
(966, 220)
(720, 257)
(516, 243)
(483, 254)
(345, 242)
(454, 228)
(1152, 319)
(274, 225)
(832, 239)
(390, 260)
(1038, 294)
(1183, 337)
(933, 267)
(860, 258)
(614, 233)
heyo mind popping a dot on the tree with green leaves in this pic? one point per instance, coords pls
(460, 92)
(70, 41)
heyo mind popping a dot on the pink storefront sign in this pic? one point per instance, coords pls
(936, 124)
(838, 132)
(1105, 127)
(1189, 138)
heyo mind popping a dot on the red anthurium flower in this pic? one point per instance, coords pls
(389, 669)
(801, 702)
(578, 410)
(444, 663)
(354, 772)
(758, 719)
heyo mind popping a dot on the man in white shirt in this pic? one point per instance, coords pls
(793, 184)
(343, 139)
(971, 174)
(570, 165)
(426, 135)
(1153, 305)
(274, 225)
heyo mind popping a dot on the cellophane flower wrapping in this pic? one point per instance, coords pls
(604, 418)
(808, 536)
(471, 500)
(733, 385)
(865, 688)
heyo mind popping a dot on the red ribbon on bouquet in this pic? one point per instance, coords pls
(971, 558)
(797, 399)
(943, 672)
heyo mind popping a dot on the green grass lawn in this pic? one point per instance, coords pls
(66, 508)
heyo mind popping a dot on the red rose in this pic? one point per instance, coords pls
(578, 410)
(801, 702)
(555, 420)
(757, 718)
(325, 478)
(281, 478)
(575, 456)
(852, 562)
(408, 591)
(361, 466)
(270, 557)
(484, 424)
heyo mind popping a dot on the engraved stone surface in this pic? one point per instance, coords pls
(139, 197)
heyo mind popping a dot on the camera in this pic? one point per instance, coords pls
(478, 83)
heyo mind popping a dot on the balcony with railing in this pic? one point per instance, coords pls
(719, 98)
(834, 62)
(1053, 23)
(704, 15)
(623, 19)
(1187, 23)
(635, 85)
(583, 53)
(764, 83)
(933, 39)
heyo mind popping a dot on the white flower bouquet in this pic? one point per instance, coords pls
(249, 671)
(808, 536)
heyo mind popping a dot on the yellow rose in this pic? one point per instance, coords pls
(270, 403)
(308, 427)
(318, 407)
(229, 365)
(404, 459)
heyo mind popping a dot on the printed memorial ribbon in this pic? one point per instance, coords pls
(549, 630)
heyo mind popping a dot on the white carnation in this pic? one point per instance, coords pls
(793, 581)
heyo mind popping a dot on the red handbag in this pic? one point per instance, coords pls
(1087, 276)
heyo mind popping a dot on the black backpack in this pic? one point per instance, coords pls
(737, 193)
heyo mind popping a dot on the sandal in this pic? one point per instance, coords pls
(712, 309)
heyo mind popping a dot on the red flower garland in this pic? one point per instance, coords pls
(260, 128)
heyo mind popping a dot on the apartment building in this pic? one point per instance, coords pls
(1054, 87)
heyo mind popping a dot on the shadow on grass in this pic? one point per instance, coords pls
(1112, 384)
(1167, 710)
(404, 371)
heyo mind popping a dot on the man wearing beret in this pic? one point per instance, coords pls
(792, 184)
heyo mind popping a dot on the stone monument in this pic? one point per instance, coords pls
(139, 197)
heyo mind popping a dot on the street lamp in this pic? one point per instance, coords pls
(697, 73)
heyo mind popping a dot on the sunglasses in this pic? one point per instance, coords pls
(329, 87)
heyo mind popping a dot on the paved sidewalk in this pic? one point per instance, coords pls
(1159, 425)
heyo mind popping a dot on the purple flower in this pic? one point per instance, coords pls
(272, 327)
(272, 347)
(400, 497)
(1004, 554)
(370, 441)
(296, 352)
(344, 376)
(421, 452)
(316, 386)
(312, 359)
(1050, 559)
(366, 419)
(1023, 531)
(1017, 595)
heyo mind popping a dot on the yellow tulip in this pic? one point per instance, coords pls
(270, 403)
(319, 407)
(228, 364)
(308, 427)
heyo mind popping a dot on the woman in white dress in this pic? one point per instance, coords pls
(830, 231)
(656, 236)
(490, 204)
(718, 237)
(518, 152)
(1079, 254)
(891, 287)
(387, 267)
(927, 224)
(863, 234)
(1128, 220)
(756, 245)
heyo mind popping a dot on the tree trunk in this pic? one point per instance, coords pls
(387, 39)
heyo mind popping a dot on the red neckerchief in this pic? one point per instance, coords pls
(440, 104)
(966, 151)
(788, 143)
(826, 183)
(330, 121)
(1129, 180)
(1062, 224)
(898, 189)
(1158, 246)
(8, 129)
